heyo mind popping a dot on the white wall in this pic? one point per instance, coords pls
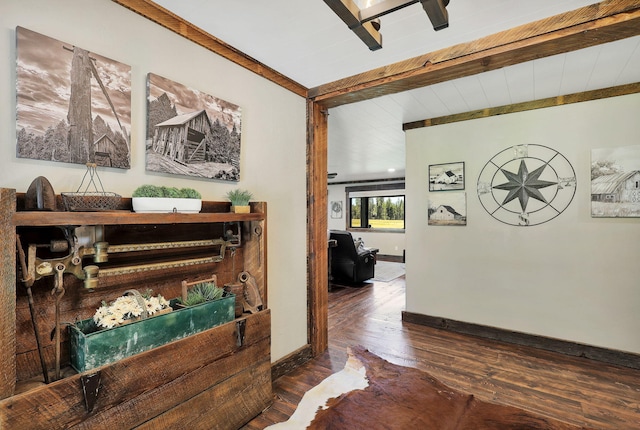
(387, 243)
(574, 278)
(273, 160)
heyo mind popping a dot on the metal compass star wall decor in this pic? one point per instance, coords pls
(526, 185)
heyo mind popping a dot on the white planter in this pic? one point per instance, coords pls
(165, 204)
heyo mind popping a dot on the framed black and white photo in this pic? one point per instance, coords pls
(446, 177)
(336, 210)
(448, 209)
(615, 182)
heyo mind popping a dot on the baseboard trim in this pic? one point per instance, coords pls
(393, 258)
(289, 362)
(604, 355)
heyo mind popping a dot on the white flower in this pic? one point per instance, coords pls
(151, 307)
(132, 308)
(111, 320)
(163, 302)
(120, 307)
(126, 307)
(135, 311)
(125, 300)
(156, 303)
(101, 312)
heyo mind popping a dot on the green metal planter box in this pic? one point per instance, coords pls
(91, 348)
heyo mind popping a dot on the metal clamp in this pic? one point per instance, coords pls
(241, 326)
(90, 388)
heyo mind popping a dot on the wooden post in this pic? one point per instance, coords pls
(7, 293)
(317, 227)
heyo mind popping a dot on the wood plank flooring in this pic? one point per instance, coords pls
(571, 389)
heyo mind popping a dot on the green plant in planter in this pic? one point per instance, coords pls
(171, 192)
(162, 191)
(202, 292)
(190, 193)
(147, 191)
(239, 197)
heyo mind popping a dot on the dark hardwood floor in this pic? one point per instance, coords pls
(571, 389)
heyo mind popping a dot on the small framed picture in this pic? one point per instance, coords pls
(446, 177)
(336, 210)
(448, 209)
(615, 182)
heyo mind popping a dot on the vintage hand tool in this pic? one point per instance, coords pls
(28, 283)
(252, 302)
(258, 232)
(58, 291)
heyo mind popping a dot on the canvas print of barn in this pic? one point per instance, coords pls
(615, 182)
(73, 105)
(448, 209)
(446, 177)
(191, 133)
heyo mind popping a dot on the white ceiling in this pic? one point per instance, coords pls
(305, 41)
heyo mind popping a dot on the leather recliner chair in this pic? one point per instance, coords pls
(350, 263)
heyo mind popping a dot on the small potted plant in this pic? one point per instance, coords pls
(240, 200)
(201, 292)
(153, 198)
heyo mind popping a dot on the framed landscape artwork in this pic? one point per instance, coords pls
(615, 182)
(190, 132)
(73, 105)
(448, 209)
(446, 177)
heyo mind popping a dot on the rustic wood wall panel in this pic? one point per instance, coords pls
(225, 406)
(138, 388)
(7, 293)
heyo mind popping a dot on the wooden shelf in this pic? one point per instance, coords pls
(36, 218)
(196, 371)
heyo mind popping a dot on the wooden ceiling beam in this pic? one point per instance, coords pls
(437, 13)
(170, 21)
(584, 96)
(349, 13)
(592, 25)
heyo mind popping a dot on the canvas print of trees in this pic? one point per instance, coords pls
(615, 182)
(73, 105)
(191, 133)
